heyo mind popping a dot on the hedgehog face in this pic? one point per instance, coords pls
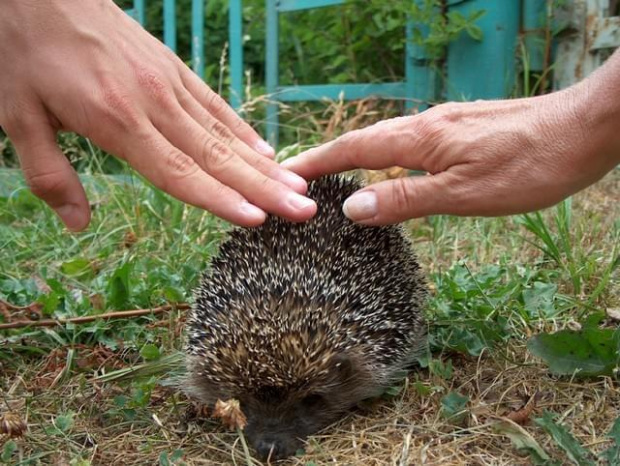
(277, 427)
(281, 418)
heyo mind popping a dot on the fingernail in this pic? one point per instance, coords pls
(264, 148)
(253, 212)
(299, 202)
(72, 216)
(362, 206)
(295, 182)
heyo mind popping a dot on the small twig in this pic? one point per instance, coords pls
(86, 319)
(13, 307)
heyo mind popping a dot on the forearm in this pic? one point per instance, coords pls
(600, 106)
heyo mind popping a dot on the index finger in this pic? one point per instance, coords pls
(385, 144)
(220, 110)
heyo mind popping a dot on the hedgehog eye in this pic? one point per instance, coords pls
(312, 401)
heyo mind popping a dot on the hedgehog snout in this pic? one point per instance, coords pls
(273, 443)
(277, 431)
(275, 448)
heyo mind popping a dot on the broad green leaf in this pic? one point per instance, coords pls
(163, 459)
(565, 440)
(476, 15)
(10, 447)
(77, 267)
(453, 405)
(474, 32)
(441, 369)
(589, 352)
(64, 422)
(118, 287)
(173, 295)
(539, 299)
(176, 455)
(150, 352)
(522, 440)
(422, 389)
(50, 302)
(612, 454)
(120, 401)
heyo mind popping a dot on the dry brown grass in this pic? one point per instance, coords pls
(408, 429)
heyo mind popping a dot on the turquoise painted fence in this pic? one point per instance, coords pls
(475, 69)
(170, 28)
(418, 81)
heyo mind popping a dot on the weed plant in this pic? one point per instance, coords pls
(522, 367)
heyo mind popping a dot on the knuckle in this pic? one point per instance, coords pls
(216, 156)
(221, 132)
(18, 117)
(155, 87)
(449, 110)
(117, 108)
(352, 145)
(45, 185)
(181, 164)
(215, 103)
(431, 126)
(447, 113)
(401, 195)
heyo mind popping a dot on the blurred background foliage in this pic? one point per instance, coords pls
(361, 41)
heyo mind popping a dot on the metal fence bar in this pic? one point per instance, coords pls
(136, 11)
(272, 70)
(139, 7)
(297, 5)
(409, 66)
(318, 92)
(420, 78)
(235, 31)
(198, 39)
(170, 24)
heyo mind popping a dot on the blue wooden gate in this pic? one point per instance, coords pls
(170, 28)
(475, 69)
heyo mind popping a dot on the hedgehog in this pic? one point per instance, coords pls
(300, 322)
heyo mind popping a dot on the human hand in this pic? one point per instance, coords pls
(86, 67)
(486, 158)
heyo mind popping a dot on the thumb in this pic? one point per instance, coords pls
(395, 201)
(49, 174)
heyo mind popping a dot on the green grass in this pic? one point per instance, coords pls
(496, 283)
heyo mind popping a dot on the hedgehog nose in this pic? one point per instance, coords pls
(269, 447)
